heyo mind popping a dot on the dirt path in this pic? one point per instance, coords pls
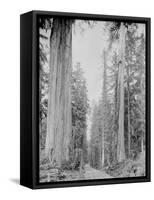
(86, 174)
(91, 173)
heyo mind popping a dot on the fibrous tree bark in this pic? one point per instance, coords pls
(120, 145)
(59, 96)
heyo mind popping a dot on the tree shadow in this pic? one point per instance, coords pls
(15, 180)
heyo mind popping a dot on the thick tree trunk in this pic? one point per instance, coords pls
(59, 98)
(120, 146)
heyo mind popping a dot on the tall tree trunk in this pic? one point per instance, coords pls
(59, 98)
(103, 107)
(142, 144)
(128, 113)
(116, 115)
(142, 86)
(120, 146)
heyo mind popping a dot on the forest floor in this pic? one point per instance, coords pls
(127, 168)
(47, 175)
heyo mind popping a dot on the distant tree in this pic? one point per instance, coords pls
(96, 138)
(80, 107)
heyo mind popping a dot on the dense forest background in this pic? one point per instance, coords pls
(84, 139)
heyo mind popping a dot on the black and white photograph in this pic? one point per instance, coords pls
(92, 91)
